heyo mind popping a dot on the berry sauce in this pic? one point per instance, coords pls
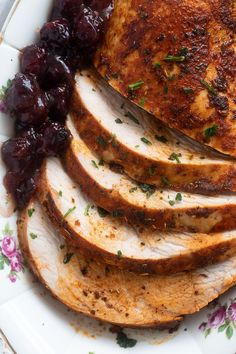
(38, 98)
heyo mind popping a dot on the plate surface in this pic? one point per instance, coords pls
(30, 319)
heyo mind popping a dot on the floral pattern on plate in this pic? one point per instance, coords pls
(10, 255)
(222, 319)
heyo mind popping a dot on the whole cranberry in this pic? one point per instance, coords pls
(55, 139)
(65, 8)
(87, 27)
(32, 60)
(26, 189)
(103, 7)
(59, 101)
(25, 100)
(56, 72)
(55, 35)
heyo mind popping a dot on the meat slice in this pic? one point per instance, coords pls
(149, 152)
(177, 59)
(110, 294)
(143, 203)
(109, 238)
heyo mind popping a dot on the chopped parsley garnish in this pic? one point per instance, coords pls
(33, 236)
(30, 212)
(133, 189)
(157, 65)
(125, 342)
(175, 157)
(4, 89)
(178, 198)
(132, 117)
(101, 162)
(118, 121)
(165, 181)
(145, 141)
(188, 90)
(171, 202)
(102, 212)
(69, 211)
(209, 87)
(136, 85)
(183, 51)
(151, 170)
(166, 89)
(94, 164)
(67, 257)
(93, 89)
(211, 131)
(173, 58)
(119, 254)
(161, 138)
(101, 141)
(117, 213)
(60, 193)
(147, 189)
(86, 211)
(142, 101)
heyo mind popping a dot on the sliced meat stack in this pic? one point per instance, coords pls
(135, 225)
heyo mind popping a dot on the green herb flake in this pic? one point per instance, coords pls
(178, 197)
(4, 88)
(161, 138)
(175, 157)
(118, 121)
(93, 89)
(60, 193)
(133, 189)
(132, 117)
(187, 90)
(119, 254)
(147, 189)
(142, 101)
(67, 257)
(33, 236)
(30, 212)
(69, 211)
(209, 87)
(94, 164)
(101, 162)
(157, 65)
(101, 141)
(145, 141)
(117, 213)
(171, 202)
(165, 181)
(173, 58)
(151, 170)
(183, 51)
(124, 341)
(102, 212)
(86, 211)
(136, 85)
(211, 131)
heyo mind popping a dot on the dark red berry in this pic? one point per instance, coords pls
(25, 100)
(55, 35)
(32, 60)
(55, 139)
(56, 72)
(87, 27)
(65, 8)
(58, 102)
(17, 152)
(103, 7)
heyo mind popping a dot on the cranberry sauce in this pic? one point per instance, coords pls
(38, 98)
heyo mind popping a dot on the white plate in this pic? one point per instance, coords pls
(31, 320)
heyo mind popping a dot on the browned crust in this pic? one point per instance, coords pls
(158, 218)
(23, 240)
(207, 179)
(141, 33)
(199, 258)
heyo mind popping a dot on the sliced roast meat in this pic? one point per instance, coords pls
(109, 238)
(143, 203)
(110, 294)
(179, 59)
(148, 151)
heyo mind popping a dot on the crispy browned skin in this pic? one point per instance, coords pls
(144, 32)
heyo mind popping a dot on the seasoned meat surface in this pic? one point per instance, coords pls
(177, 60)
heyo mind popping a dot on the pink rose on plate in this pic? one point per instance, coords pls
(232, 312)
(217, 318)
(16, 262)
(12, 277)
(8, 246)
